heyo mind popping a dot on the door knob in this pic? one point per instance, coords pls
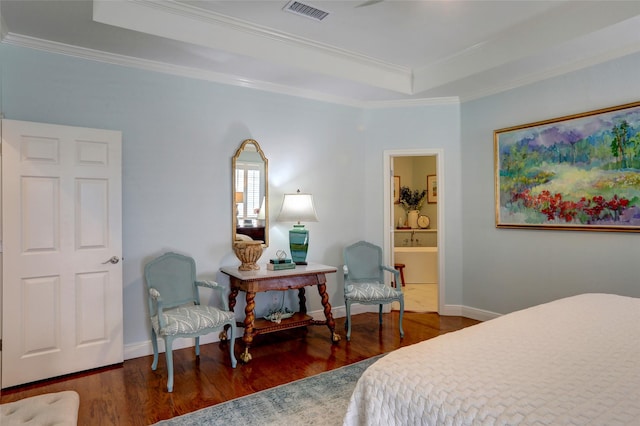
(113, 260)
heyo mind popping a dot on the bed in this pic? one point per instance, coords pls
(573, 361)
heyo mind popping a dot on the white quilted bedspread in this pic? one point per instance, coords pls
(574, 361)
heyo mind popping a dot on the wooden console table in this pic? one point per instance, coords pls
(252, 282)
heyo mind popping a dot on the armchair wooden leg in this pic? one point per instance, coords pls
(169, 356)
(348, 323)
(154, 343)
(401, 315)
(232, 354)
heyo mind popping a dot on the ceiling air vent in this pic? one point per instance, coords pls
(305, 10)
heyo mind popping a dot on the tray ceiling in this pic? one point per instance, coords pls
(361, 52)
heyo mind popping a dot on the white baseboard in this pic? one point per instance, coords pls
(468, 312)
(341, 311)
(136, 350)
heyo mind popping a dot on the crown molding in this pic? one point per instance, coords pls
(218, 19)
(190, 24)
(553, 72)
(407, 103)
(165, 68)
(161, 67)
(199, 74)
(525, 40)
(169, 9)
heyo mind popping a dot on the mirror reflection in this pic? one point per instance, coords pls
(250, 194)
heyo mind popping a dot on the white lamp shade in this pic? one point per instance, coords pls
(297, 208)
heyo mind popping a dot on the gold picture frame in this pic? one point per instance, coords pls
(578, 172)
(432, 189)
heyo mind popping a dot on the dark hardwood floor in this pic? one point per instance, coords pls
(132, 394)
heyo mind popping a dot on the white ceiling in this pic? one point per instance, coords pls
(391, 51)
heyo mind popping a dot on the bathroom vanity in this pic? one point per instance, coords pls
(417, 249)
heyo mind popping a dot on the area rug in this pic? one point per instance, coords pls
(317, 400)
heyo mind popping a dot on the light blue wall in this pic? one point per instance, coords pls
(179, 136)
(424, 127)
(506, 269)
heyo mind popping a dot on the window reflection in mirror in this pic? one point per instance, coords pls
(248, 183)
(250, 193)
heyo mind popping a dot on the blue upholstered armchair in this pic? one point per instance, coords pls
(364, 281)
(175, 309)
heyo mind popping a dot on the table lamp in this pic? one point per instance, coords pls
(239, 197)
(298, 208)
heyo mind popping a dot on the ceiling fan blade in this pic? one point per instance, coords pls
(369, 3)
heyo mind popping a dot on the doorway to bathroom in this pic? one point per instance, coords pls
(414, 239)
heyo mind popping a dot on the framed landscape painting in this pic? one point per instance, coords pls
(580, 172)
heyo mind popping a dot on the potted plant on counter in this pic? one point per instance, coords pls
(412, 202)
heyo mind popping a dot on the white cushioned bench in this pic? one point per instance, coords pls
(49, 409)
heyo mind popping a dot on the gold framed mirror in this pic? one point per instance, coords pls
(250, 194)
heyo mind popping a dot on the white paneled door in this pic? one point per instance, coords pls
(62, 239)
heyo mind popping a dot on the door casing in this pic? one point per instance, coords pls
(388, 220)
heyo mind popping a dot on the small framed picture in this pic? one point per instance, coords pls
(396, 190)
(432, 189)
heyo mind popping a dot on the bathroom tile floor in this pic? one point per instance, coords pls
(419, 298)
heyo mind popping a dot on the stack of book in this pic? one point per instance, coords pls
(280, 264)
